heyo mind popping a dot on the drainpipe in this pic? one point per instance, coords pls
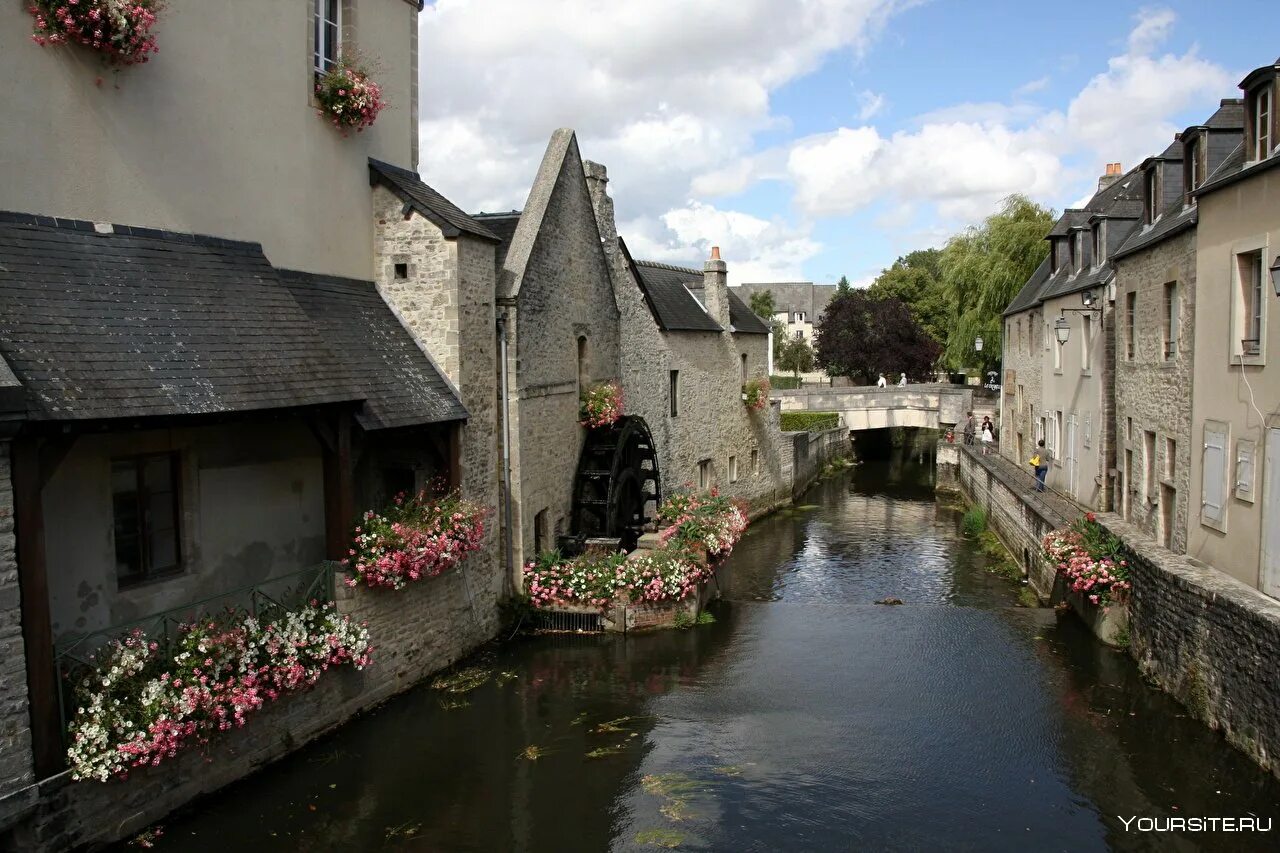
(506, 447)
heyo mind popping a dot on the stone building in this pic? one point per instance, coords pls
(1235, 416)
(799, 306)
(1059, 387)
(1155, 331)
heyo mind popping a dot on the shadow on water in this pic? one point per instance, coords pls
(806, 717)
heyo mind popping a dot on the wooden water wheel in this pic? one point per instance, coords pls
(617, 483)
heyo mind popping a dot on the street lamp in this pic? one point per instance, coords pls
(977, 342)
(1088, 297)
(1062, 329)
(1275, 274)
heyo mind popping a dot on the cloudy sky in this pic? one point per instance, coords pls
(815, 138)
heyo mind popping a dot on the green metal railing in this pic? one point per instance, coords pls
(264, 601)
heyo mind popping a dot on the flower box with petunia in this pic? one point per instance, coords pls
(755, 394)
(118, 29)
(1090, 560)
(139, 705)
(601, 406)
(347, 97)
(416, 537)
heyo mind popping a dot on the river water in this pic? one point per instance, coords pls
(805, 718)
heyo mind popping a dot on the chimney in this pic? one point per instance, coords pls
(598, 185)
(715, 288)
(1112, 175)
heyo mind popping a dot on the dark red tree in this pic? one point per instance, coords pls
(861, 337)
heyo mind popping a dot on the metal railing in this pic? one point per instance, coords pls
(264, 600)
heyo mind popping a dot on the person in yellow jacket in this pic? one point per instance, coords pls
(1040, 461)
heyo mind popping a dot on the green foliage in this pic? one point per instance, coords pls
(795, 355)
(860, 336)
(843, 286)
(809, 421)
(763, 304)
(916, 280)
(784, 383)
(974, 522)
(983, 269)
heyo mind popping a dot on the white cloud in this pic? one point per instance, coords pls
(1151, 31)
(1032, 86)
(869, 104)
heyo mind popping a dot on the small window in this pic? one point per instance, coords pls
(1057, 354)
(744, 367)
(1128, 430)
(1151, 198)
(1192, 158)
(584, 370)
(1262, 123)
(1086, 344)
(1148, 462)
(733, 469)
(327, 15)
(1130, 318)
(799, 316)
(755, 461)
(540, 540)
(799, 334)
(1077, 252)
(1250, 303)
(704, 474)
(673, 392)
(1170, 458)
(402, 271)
(1099, 244)
(144, 500)
(1170, 320)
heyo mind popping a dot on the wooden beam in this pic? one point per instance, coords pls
(37, 623)
(339, 486)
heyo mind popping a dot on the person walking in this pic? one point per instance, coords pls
(970, 429)
(882, 382)
(1040, 462)
(988, 436)
(902, 383)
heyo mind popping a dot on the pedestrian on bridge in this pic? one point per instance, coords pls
(882, 382)
(902, 383)
(988, 435)
(970, 430)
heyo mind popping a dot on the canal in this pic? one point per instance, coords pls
(806, 717)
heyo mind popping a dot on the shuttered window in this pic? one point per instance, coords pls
(1245, 453)
(1213, 501)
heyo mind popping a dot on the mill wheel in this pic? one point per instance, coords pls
(617, 484)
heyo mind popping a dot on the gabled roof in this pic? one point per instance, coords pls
(503, 225)
(1070, 218)
(401, 385)
(417, 196)
(744, 320)
(1029, 295)
(1175, 219)
(1236, 168)
(667, 289)
(141, 323)
(1229, 116)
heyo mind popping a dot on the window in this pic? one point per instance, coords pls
(1078, 252)
(1170, 320)
(733, 469)
(799, 334)
(673, 392)
(584, 373)
(1099, 244)
(1150, 197)
(144, 502)
(1057, 436)
(704, 474)
(1086, 344)
(744, 367)
(327, 16)
(1245, 450)
(755, 461)
(401, 271)
(1213, 503)
(1074, 254)
(540, 541)
(1148, 462)
(1130, 312)
(1262, 122)
(1193, 169)
(1057, 354)
(1250, 303)
(1170, 458)
(799, 316)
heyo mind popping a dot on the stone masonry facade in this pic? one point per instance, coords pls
(15, 723)
(1022, 387)
(1153, 406)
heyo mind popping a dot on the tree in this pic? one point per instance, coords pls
(796, 356)
(982, 271)
(843, 286)
(764, 306)
(861, 336)
(916, 280)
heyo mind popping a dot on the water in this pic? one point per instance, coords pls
(805, 718)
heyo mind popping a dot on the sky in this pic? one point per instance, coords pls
(811, 139)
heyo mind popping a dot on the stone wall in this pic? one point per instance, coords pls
(415, 631)
(1151, 391)
(813, 451)
(1022, 391)
(15, 722)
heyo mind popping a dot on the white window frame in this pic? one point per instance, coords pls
(1242, 321)
(1086, 344)
(1193, 169)
(321, 61)
(1262, 118)
(1151, 193)
(1099, 243)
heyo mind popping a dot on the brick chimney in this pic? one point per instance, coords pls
(715, 288)
(1113, 174)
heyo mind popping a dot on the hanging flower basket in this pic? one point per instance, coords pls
(348, 98)
(1090, 560)
(416, 537)
(601, 406)
(755, 394)
(118, 29)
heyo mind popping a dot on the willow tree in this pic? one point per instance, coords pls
(983, 269)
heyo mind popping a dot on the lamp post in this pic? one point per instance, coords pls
(977, 342)
(1062, 329)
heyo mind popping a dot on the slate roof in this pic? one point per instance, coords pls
(744, 320)
(1029, 295)
(792, 296)
(1230, 115)
(1070, 218)
(400, 383)
(502, 225)
(1234, 169)
(667, 289)
(146, 323)
(1173, 221)
(410, 189)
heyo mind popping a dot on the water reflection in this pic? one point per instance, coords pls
(805, 718)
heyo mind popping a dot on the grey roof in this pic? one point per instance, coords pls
(417, 196)
(667, 288)
(1230, 115)
(1234, 169)
(1173, 221)
(503, 225)
(1070, 218)
(140, 323)
(792, 296)
(744, 320)
(1173, 152)
(400, 383)
(1029, 295)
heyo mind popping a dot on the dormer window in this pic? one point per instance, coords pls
(1099, 243)
(1055, 249)
(1194, 175)
(1150, 195)
(1261, 113)
(1077, 252)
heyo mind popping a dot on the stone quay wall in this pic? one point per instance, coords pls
(415, 631)
(813, 451)
(1207, 639)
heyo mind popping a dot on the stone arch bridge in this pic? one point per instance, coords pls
(933, 406)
